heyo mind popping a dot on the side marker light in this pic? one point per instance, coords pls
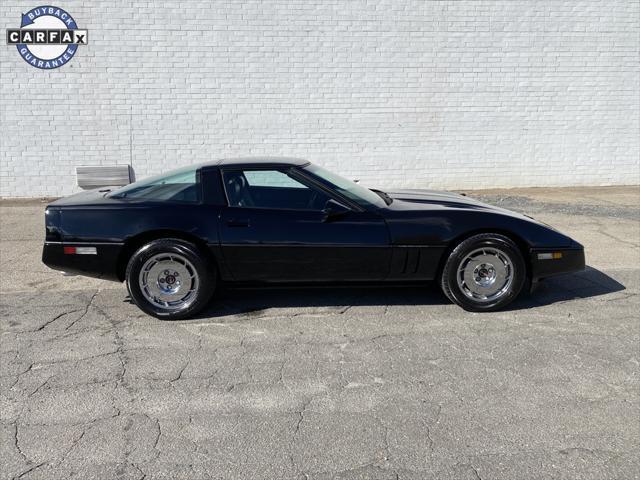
(550, 256)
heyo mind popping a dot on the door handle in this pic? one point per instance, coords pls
(238, 223)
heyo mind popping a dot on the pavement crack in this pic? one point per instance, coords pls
(73, 445)
(590, 451)
(180, 372)
(157, 439)
(475, 472)
(119, 351)
(428, 429)
(621, 298)
(296, 431)
(35, 467)
(143, 475)
(301, 416)
(469, 469)
(613, 237)
(17, 444)
(41, 386)
(385, 440)
(86, 310)
(49, 322)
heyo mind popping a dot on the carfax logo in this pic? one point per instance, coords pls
(48, 37)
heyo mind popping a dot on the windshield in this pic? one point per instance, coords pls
(357, 193)
(178, 185)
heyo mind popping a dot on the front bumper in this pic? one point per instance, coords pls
(545, 262)
(103, 264)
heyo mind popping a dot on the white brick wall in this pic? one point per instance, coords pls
(444, 94)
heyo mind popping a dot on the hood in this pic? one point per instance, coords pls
(434, 197)
(420, 200)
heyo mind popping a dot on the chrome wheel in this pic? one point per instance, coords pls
(485, 274)
(169, 281)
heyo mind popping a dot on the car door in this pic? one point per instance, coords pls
(276, 229)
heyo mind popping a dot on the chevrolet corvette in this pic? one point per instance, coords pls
(175, 237)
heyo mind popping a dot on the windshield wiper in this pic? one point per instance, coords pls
(384, 195)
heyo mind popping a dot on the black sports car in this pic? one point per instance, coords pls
(174, 237)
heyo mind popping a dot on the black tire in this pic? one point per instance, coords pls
(199, 278)
(494, 242)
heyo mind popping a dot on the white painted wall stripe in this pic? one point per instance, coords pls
(415, 93)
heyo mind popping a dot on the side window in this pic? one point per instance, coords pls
(270, 189)
(271, 178)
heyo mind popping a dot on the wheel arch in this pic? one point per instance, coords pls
(520, 242)
(135, 242)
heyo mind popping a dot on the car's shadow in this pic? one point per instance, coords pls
(254, 301)
(591, 282)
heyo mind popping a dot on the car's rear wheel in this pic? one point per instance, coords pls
(170, 279)
(484, 273)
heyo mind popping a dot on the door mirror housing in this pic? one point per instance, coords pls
(333, 210)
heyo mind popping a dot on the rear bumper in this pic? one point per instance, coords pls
(571, 259)
(102, 264)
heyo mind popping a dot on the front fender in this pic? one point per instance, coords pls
(443, 227)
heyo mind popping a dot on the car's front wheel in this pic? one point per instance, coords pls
(170, 279)
(484, 273)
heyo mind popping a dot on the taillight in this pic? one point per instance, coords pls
(80, 250)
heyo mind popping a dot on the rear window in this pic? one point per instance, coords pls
(177, 186)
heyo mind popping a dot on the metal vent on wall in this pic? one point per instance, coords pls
(104, 176)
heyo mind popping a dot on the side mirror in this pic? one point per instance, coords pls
(333, 210)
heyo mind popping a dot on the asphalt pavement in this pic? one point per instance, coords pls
(363, 383)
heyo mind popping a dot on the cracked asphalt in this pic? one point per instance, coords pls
(328, 383)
